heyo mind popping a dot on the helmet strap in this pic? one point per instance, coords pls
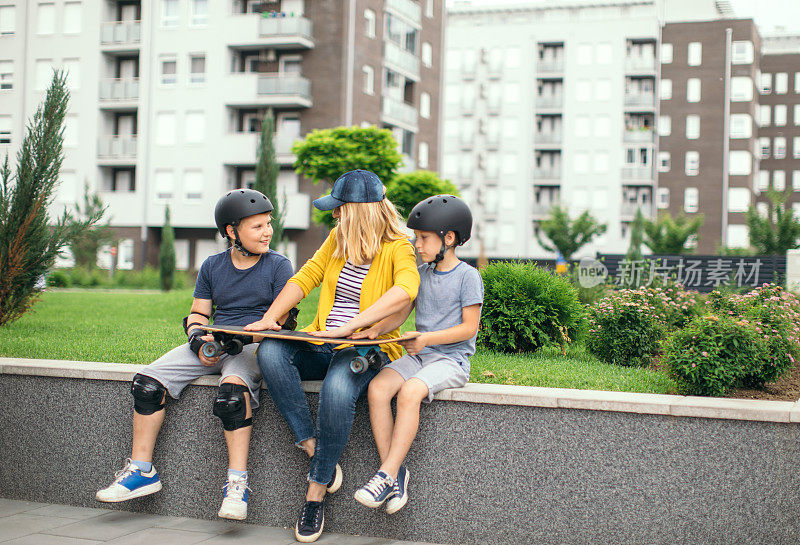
(442, 251)
(237, 243)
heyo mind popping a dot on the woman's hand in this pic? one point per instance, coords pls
(414, 346)
(265, 323)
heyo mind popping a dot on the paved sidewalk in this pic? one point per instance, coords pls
(30, 523)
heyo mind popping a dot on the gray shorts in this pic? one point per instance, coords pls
(437, 371)
(180, 366)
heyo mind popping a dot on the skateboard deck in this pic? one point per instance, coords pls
(289, 335)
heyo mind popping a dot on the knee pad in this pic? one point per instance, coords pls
(148, 394)
(231, 406)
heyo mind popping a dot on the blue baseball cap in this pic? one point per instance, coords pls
(354, 186)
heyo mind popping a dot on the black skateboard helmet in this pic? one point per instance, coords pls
(440, 214)
(236, 205)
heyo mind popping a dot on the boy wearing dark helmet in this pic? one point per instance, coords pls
(448, 311)
(235, 286)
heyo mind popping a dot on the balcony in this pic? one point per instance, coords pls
(549, 67)
(542, 210)
(547, 139)
(253, 30)
(283, 148)
(117, 150)
(640, 65)
(644, 136)
(628, 211)
(254, 90)
(549, 102)
(121, 36)
(400, 60)
(398, 113)
(638, 173)
(640, 100)
(119, 93)
(547, 174)
(406, 8)
(298, 211)
(241, 148)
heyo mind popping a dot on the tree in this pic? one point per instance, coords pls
(267, 170)
(166, 254)
(776, 232)
(406, 190)
(637, 229)
(565, 235)
(29, 241)
(85, 248)
(326, 154)
(667, 235)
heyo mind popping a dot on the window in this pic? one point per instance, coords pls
(781, 83)
(71, 131)
(165, 184)
(797, 83)
(693, 90)
(602, 126)
(511, 94)
(742, 52)
(44, 72)
(73, 70)
(665, 89)
(741, 89)
(197, 68)
(695, 54)
(369, 79)
(169, 13)
(8, 19)
(422, 155)
(583, 90)
(193, 185)
(369, 23)
(764, 113)
(664, 125)
(600, 161)
(780, 115)
(426, 53)
(663, 161)
(741, 126)
(796, 114)
(582, 126)
(510, 128)
(779, 148)
(513, 57)
(666, 53)
(738, 199)
(6, 75)
(165, 125)
(581, 162)
(5, 129)
(429, 9)
(195, 127)
(662, 197)
(72, 18)
(764, 146)
(692, 167)
(169, 71)
(691, 199)
(584, 54)
(199, 12)
(763, 180)
(692, 127)
(779, 180)
(425, 105)
(765, 84)
(796, 180)
(47, 18)
(796, 147)
(602, 90)
(401, 33)
(740, 163)
(604, 53)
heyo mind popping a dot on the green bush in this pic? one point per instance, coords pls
(59, 279)
(713, 354)
(147, 278)
(526, 307)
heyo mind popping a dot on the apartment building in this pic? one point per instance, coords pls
(167, 99)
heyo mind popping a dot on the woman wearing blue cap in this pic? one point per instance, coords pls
(367, 271)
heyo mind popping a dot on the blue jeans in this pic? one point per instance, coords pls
(284, 364)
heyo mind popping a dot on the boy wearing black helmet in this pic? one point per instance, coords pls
(236, 287)
(448, 311)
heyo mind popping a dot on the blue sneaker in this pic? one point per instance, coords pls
(376, 491)
(130, 482)
(397, 500)
(234, 504)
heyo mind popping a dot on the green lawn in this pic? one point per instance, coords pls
(131, 327)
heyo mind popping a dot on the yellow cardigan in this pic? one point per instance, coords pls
(395, 265)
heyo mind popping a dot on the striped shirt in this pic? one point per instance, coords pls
(348, 295)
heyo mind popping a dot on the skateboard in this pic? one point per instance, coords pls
(231, 340)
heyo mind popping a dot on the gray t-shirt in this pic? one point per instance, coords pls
(441, 297)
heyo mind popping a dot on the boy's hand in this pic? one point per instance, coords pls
(208, 362)
(335, 333)
(414, 346)
(265, 323)
(371, 333)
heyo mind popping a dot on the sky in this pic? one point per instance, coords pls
(770, 14)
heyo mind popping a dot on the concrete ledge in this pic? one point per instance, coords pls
(495, 394)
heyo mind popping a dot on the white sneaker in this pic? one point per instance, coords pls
(234, 505)
(130, 482)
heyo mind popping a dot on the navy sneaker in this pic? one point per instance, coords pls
(376, 491)
(130, 482)
(310, 522)
(397, 500)
(336, 482)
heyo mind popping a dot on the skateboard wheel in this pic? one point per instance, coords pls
(211, 349)
(359, 365)
(234, 347)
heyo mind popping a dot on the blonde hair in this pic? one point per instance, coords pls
(363, 227)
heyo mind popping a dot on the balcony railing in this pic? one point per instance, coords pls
(117, 147)
(400, 111)
(637, 173)
(286, 27)
(550, 67)
(638, 136)
(406, 62)
(639, 65)
(282, 84)
(550, 173)
(549, 102)
(628, 211)
(540, 210)
(284, 143)
(548, 138)
(640, 99)
(121, 33)
(119, 89)
(406, 8)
